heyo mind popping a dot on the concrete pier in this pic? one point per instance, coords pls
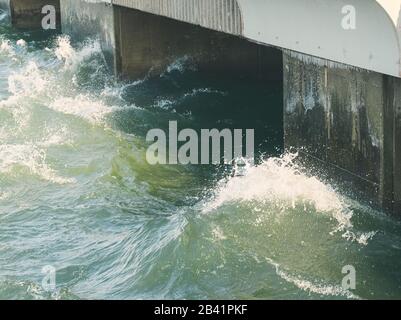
(392, 124)
(81, 20)
(347, 119)
(27, 14)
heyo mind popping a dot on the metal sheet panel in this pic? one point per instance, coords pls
(220, 15)
(312, 27)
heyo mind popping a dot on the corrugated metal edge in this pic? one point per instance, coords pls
(219, 15)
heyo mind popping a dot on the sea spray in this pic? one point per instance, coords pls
(281, 181)
(31, 157)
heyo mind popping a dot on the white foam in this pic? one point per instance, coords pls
(117, 91)
(312, 287)
(83, 107)
(6, 48)
(31, 157)
(72, 57)
(164, 104)
(361, 238)
(21, 43)
(29, 82)
(196, 92)
(4, 195)
(180, 65)
(218, 233)
(56, 137)
(279, 181)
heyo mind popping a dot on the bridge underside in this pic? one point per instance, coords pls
(148, 43)
(138, 44)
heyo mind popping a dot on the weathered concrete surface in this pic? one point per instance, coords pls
(220, 15)
(392, 124)
(345, 118)
(81, 20)
(149, 42)
(397, 145)
(27, 14)
(136, 43)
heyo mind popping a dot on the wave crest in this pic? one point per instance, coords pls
(281, 182)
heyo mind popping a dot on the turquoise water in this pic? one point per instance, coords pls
(76, 192)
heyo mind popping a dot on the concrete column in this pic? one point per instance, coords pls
(347, 121)
(397, 145)
(27, 14)
(392, 123)
(81, 20)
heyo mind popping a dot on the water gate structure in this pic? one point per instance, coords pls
(339, 61)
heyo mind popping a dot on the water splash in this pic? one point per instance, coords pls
(312, 286)
(71, 57)
(180, 65)
(83, 107)
(280, 181)
(6, 48)
(196, 92)
(29, 82)
(30, 157)
(21, 43)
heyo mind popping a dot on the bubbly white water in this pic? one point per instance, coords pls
(280, 181)
(30, 157)
(312, 287)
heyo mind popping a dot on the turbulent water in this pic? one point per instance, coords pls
(76, 192)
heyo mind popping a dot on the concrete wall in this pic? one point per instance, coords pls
(346, 119)
(136, 43)
(397, 144)
(393, 135)
(149, 42)
(219, 15)
(27, 14)
(81, 20)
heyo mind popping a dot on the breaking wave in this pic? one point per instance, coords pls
(281, 183)
(30, 157)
